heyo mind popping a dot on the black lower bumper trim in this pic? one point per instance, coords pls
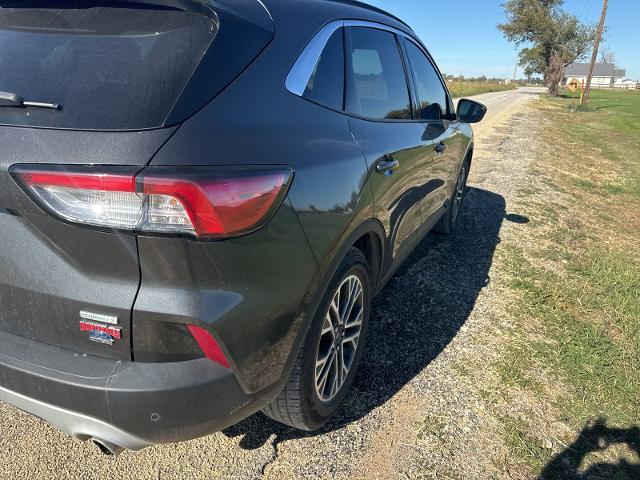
(127, 403)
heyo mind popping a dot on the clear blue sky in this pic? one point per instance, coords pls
(463, 38)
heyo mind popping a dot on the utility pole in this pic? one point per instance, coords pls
(596, 45)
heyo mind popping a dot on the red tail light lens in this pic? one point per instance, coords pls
(202, 202)
(221, 206)
(99, 181)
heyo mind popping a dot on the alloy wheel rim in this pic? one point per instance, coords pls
(339, 338)
(459, 194)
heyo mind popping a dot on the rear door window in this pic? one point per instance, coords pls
(377, 86)
(432, 97)
(110, 68)
(326, 85)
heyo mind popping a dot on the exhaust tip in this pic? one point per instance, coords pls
(107, 448)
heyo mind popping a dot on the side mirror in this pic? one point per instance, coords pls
(470, 111)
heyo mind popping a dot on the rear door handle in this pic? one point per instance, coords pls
(441, 147)
(387, 165)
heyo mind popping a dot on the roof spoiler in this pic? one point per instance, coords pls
(240, 8)
(203, 7)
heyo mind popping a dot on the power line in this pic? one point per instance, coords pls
(587, 8)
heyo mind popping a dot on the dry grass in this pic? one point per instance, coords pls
(577, 275)
(467, 88)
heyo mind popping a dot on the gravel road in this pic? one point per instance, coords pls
(419, 326)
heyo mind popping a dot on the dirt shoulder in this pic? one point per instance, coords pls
(455, 431)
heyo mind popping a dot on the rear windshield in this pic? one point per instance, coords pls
(109, 68)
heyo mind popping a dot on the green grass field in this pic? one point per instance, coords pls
(576, 347)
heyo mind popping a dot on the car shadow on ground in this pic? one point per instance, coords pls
(594, 437)
(414, 317)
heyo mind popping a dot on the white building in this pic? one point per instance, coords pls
(604, 74)
(626, 83)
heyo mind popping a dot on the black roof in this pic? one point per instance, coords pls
(600, 70)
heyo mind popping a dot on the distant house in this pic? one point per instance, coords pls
(604, 74)
(626, 83)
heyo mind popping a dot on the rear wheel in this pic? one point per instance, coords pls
(447, 222)
(327, 362)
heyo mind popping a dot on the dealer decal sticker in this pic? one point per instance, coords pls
(101, 333)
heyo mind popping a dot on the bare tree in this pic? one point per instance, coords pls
(607, 56)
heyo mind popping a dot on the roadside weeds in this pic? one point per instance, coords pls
(467, 88)
(579, 286)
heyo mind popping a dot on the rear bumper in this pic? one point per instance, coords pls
(129, 404)
(74, 423)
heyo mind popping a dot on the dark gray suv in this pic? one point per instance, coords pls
(198, 201)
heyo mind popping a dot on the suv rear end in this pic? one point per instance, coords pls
(123, 317)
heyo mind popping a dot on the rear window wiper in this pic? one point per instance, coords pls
(12, 100)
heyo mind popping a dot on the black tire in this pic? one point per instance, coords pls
(299, 404)
(447, 222)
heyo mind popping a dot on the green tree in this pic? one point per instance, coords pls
(552, 38)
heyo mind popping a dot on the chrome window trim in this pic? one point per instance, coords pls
(301, 71)
(299, 75)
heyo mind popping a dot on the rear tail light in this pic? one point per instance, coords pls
(202, 202)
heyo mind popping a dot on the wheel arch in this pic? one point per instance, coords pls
(370, 237)
(469, 153)
(372, 246)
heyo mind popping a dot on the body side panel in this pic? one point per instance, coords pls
(257, 121)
